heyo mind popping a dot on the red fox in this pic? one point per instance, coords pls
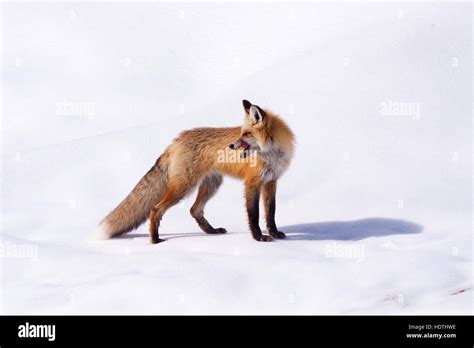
(258, 152)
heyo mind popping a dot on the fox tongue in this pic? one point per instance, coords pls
(244, 145)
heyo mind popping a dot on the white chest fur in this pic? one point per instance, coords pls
(276, 161)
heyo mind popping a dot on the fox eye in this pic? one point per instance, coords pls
(246, 134)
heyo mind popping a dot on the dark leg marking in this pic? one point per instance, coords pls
(208, 188)
(252, 198)
(269, 192)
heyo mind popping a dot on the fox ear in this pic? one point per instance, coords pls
(256, 115)
(246, 105)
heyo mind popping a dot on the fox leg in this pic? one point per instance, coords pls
(209, 186)
(172, 196)
(269, 202)
(252, 198)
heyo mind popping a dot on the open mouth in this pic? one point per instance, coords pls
(244, 145)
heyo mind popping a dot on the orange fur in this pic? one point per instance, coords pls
(202, 156)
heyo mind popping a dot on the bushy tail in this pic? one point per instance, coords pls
(134, 209)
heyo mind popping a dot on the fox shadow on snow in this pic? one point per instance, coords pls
(332, 230)
(350, 230)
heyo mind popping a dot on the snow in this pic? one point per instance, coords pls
(376, 203)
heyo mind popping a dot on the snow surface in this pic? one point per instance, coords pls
(376, 204)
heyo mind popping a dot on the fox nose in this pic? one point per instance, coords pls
(231, 146)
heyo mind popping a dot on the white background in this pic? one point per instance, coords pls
(376, 206)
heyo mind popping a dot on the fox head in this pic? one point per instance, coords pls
(253, 136)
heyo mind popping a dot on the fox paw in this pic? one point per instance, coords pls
(277, 234)
(264, 238)
(156, 241)
(218, 230)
